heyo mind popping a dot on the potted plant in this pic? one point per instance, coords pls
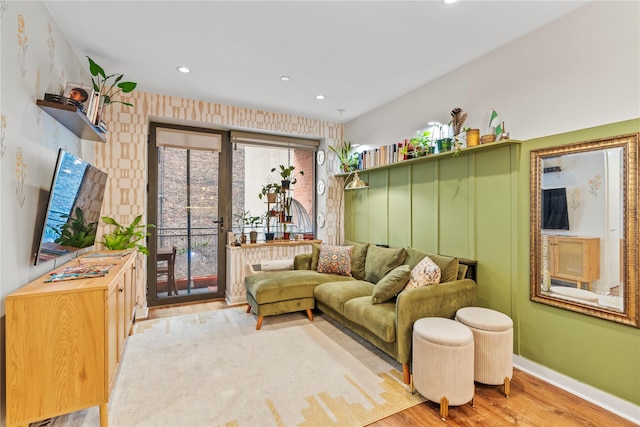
(271, 192)
(348, 158)
(288, 176)
(76, 232)
(421, 144)
(240, 220)
(107, 89)
(126, 237)
(253, 222)
(287, 208)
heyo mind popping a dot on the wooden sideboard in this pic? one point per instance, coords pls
(65, 340)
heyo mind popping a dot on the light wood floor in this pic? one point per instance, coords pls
(532, 402)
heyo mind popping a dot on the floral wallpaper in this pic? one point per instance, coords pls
(23, 43)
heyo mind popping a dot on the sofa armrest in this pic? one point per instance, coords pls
(441, 300)
(302, 262)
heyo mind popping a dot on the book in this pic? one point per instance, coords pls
(82, 271)
(79, 94)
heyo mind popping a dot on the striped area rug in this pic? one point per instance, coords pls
(214, 369)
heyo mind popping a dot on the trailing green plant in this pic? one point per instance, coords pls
(272, 187)
(346, 155)
(76, 232)
(287, 174)
(126, 237)
(422, 144)
(108, 88)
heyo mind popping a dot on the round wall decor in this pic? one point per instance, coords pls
(320, 156)
(321, 187)
(320, 220)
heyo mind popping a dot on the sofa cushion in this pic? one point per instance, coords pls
(358, 258)
(277, 286)
(391, 284)
(425, 273)
(302, 262)
(315, 255)
(448, 265)
(380, 261)
(335, 260)
(335, 294)
(379, 319)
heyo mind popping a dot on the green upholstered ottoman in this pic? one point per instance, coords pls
(278, 292)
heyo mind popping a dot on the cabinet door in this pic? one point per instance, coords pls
(122, 333)
(112, 332)
(570, 259)
(129, 299)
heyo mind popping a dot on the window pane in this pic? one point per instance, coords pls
(252, 170)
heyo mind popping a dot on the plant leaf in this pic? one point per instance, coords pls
(95, 69)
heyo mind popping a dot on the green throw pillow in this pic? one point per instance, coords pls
(358, 258)
(448, 265)
(315, 255)
(380, 261)
(391, 284)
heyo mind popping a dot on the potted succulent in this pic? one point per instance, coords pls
(347, 157)
(288, 176)
(126, 237)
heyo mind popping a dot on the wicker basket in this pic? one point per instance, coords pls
(485, 139)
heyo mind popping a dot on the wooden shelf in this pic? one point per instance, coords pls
(74, 120)
(431, 157)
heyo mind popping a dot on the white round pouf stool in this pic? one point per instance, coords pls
(493, 341)
(443, 362)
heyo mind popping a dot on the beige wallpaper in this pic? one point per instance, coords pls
(124, 155)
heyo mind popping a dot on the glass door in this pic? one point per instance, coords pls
(188, 205)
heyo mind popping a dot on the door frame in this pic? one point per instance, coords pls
(224, 212)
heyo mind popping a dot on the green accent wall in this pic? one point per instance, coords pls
(476, 206)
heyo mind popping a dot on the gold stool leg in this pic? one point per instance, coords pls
(444, 408)
(507, 386)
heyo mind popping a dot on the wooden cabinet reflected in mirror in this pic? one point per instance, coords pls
(584, 228)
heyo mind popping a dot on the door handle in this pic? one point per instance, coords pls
(221, 222)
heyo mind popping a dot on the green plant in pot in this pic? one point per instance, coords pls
(421, 144)
(346, 155)
(253, 222)
(108, 86)
(76, 231)
(287, 174)
(126, 237)
(270, 191)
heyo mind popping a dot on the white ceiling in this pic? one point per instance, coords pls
(359, 54)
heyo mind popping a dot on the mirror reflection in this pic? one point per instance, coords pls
(582, 234)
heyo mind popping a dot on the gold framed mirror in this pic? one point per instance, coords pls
(584, 228)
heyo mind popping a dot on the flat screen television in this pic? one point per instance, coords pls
(555, 215)
(73, 208)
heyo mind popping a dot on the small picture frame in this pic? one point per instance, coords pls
(79, 95)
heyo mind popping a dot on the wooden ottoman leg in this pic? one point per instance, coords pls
(406, 373)
(248, 308)
(259, 325)
(507, 386)
(310, 314)
(444, 408)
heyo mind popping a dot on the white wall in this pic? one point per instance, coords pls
(580, 71)
(35, 59)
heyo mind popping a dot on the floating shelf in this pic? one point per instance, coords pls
(74, 120)
(432, 157)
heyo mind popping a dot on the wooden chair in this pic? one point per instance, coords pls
(166, 259)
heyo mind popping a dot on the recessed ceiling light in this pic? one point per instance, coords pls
(319, 96)
(184, 69)
(285, 78)
(449, 1)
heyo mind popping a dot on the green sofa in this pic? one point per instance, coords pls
(365, 301)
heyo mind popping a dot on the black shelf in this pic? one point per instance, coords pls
(74, 120)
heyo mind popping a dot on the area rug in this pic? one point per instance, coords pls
(214, 369)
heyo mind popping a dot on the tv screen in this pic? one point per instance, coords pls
(555, 215)
(73, 208)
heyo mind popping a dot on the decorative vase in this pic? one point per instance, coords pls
(253, 236)
(269, 236)
(286, 184)
(243, 238)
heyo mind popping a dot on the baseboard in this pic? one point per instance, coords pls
(611, 403)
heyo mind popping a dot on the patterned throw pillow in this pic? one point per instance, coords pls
(335, 260)
(425, 273)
